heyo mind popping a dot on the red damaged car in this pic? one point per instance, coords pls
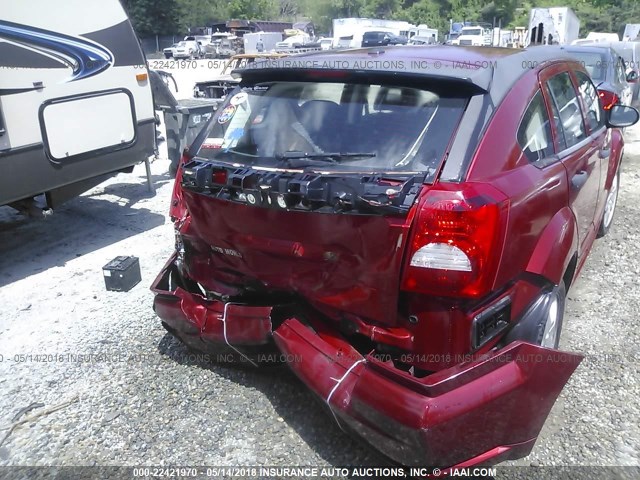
(402, 225)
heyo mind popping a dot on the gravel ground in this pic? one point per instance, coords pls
(130, 394)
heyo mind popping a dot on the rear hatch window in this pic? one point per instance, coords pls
(339, 127)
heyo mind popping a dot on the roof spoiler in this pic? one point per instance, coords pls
(465, 82)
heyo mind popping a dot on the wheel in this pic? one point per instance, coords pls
(610, 206)
(550, 325)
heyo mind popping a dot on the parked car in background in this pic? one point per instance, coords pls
(203, 40)
(608, 71)
(405, 237)
(381, 39)
(630, 52)
(223, 47)
(418, 40)
(168, 52)
(187, 49)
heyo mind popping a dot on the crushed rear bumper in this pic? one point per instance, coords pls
(211, 325)
(482, 411)
(479, 412)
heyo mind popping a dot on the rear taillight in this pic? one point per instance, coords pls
(457, 241)
(608, 99)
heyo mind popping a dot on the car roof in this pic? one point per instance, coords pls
(493, 70)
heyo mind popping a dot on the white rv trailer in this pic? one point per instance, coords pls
(348, 32)
(75, 98)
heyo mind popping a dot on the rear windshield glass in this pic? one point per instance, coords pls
(339, 126)
(594, 63)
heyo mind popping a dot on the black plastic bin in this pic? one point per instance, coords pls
(183, 119)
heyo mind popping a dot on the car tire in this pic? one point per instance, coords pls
(550, 324)
(610, 206)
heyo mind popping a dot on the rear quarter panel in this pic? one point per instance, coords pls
(537, 195)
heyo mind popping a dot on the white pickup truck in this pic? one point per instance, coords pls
(474, 36)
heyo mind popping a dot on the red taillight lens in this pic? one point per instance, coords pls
(457, 241)
(608, 99)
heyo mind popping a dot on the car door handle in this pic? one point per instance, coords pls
(579, 179)
(604, 153)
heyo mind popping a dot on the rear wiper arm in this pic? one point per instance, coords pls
(331, 157)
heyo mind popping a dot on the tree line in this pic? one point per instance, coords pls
(161, 17)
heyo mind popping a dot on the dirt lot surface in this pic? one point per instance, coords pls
(128, 393)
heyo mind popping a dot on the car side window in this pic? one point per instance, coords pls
(594, 114)
(569, 116)
(534, 133)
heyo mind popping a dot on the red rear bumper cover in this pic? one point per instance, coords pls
(476, 413)
(198, 321)
(479, 412)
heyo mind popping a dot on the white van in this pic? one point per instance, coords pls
(75, 98)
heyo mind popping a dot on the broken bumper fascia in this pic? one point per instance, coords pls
(479, 412)
(204, 323)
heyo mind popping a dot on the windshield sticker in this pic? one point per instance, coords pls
(236, 134)
(227, 114)
(238, 99)
(232, 138)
